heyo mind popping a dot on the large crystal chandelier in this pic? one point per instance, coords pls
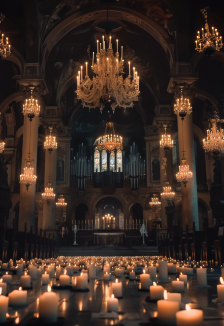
(214, 142)
(49, 193)
(208, 42)
(61, 202)
(166, 142)
(5, 47)
(155, 201)
(28, 177)
(182, 105)
(50, 143)
(31, 106)
(167, 192)
(110, 141)
(2, 144)
(107, 83)
(184, 175)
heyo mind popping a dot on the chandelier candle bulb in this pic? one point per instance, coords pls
(93, 60)
(117, 289)
(117, 45)
(81, 73)
(193, 317)
(18, 298)
(3, 287)
(97, 42)
(86, 69)
(4, 301)
(202, 276)
(122, 52)
(129, 65)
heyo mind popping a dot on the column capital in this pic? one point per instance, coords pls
(159, 123)
(182, 74)
(39, 84)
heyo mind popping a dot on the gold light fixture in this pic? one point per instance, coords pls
(184, 175)
(110, 141)
(166, 142)
(182, 105)
(50, 143)
(214, 142)
(31, 106)
(155, 201)
(28, 177)
(107, 84)
(2, 144)
(61, 202)
(49, 193)
(206, 41)
(5, 47)
(167, 192)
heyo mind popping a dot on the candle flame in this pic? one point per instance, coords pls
(112, 296)
(25, 273)
(221, 280)
(1, 280)
(0, 291)
(143, 271)
(154, 283)
(116, 280)
(165, 295)
(187, 307)
(177, 279)
(20, 288)
(6, 273)
(49, 288)
(65, 271)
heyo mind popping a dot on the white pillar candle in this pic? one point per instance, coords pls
(45, 279)
(39, 273)
(156, 292)
(59, 271)
(171, 268)
(3, 287)
(20, 270)
(82, 282)
(92, 271)
(106, 277)
(70, 270)
(32, 271)
(202, 276)
(180, 269)
(10, 263)
(112, 304)
(106, 268)
(189, 271)
(152, 273)
(174, 297)
(132, 275)
(167, 311)
(76, 269)
(163, 270)
(64, 280)
(220, 290)
(119, 272)
(25, 281)
(183, 278)
(18, 297)
(7, 278)
(145, 281)
(117, 289)
(178, 286)
(192, 317)
(48, 307)
(4, 301)
(52, 271)
(4, 266)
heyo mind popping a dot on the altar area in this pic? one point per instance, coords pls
(107, 238)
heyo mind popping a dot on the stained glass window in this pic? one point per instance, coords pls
(112, 161)
(104, 160)
(119, 160)
(96, 161)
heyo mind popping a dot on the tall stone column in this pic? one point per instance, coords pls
(189, 194)
(27, 197)
(49, 208)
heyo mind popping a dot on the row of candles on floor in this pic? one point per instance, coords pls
(168, 304)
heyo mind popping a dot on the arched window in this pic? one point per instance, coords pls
(96, 161)
(119, 160)
(112, 161)
(104, 160)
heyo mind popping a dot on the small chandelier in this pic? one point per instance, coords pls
(61, 202)
(166, 142)
(109, 141)
(2, 144)
(5, 47)
(214, 142)
(28, 177)
(154, 201)
(48, 194)
(167, 193)
(182, 105)
(184, 175)
(208, 42)
(31, 106)
(107, 84)
(50, 143)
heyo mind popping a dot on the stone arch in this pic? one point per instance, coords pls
(101, 196)
(16, 58)
(138, 201)
(88, 15)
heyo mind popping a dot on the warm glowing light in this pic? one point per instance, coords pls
(154, 201)
(110, 141)
(187, 307)
(221, 280)
(50, 143)
(182, 105)
(154, 283)
(167, 193)
(165, 295)
(166, 142)
(49, 288)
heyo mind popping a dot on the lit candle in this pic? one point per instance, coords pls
(32, 271)
(202, 276)
(119, 272)
(163, 270)
(145, 281)
(132, 275)
(117, 45)
(70, 270)
(4, 301)
(86, 69)
(152, 272)
(81, 73)
(110, 42)
(117, 289)
(193, 317)
(45, 279)
(183, 278)
(7, 278)
(156, 291)
(64, 280)
(178, 286)
(106, 277)
(122, 52)
(97, 42)
(20, 270)
(189, 271)
(93, 60)
(48, 306)
(133, 73)
(92, 271)
(25, 281)
(129, 64)
(59, 271)
(112, 304)
(18, 297)
(3, 287)
(82, 282)
(220, 290)
(167, 310)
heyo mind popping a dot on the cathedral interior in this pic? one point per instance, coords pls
(111, 117)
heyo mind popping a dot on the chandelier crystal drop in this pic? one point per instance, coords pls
(184, 175)
(110, 141)
(167, 192)
(166, 142)
(50, 143)
(182, 105)
(155, 201)
(31, 106)
(61, 202)
(208, 41)
(214, 142)
(49, 193)
(107, 83)
(28, 177)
